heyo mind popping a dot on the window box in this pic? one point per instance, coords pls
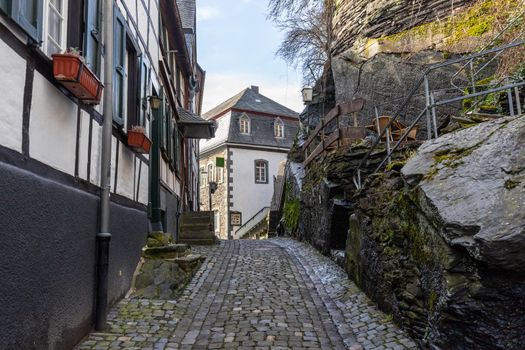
(138, 140)
(71, 71)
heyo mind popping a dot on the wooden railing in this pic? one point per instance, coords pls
(320, 140)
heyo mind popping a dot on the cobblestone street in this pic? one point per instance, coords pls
(275, 294)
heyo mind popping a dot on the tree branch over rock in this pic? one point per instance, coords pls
(308, 30)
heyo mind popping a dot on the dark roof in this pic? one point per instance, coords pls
(262, 131)
(251, 100)
(187, 10)
(194, 126)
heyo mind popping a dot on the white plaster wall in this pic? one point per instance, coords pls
(126, 172)
(144, 184)
(250, 197)
(113, 161)
(53, 125)
(96, 149)
(84, 144)
(12, 73)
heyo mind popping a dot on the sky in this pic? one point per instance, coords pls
(236, 47)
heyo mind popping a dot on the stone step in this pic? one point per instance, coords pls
(189, 262)
(195, 228)
(196, 236)
(196, 220)
(171, 251)
(198, 241)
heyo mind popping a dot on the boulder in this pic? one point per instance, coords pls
(472, 183)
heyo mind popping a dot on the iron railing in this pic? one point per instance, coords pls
(252, 222)
(431, 104)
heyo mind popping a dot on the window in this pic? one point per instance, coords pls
(55, 28)
(220, 174)
(210, 173)
(244, 124)
(27, 13)
(92, 39)
(278, 128)
(261, 171)
(203, 176)
(119, 76)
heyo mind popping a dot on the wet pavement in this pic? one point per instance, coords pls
(274, 294)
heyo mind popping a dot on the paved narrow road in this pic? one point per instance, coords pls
(277, 294)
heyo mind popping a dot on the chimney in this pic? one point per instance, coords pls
(255, 89)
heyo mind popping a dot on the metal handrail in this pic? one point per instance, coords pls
(430, 105)
(252, 218)
(493, 41)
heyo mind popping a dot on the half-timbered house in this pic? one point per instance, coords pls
(50, 153)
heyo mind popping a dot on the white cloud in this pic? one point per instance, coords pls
(207, 12)
(220, 86)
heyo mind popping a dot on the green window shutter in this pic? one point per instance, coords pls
(162, 126)
(143, 90)
(119, 33)
(28, 14)
(5, 6)
(176, 152)
(92, 37)
(169, 137)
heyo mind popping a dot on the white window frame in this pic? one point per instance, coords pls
(261, 177)
(48, 6)
(219, 173)
(278, 128)
(203, 176)
(244, 119)
(211, 173)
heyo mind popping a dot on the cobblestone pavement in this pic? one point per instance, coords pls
(276, 294)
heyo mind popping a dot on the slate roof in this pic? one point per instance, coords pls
(250, 99)
(187, 10)
(261, 126)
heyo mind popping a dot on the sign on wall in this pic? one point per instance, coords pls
(235, 218)
(219, 162)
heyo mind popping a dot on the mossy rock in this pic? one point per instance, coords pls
(158, 239)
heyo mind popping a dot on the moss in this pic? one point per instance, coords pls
(432, 298)
(395, 165)
(510, 184)
(292, 214)
(474, 22)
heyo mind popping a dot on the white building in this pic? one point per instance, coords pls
(253, 135)
(51, 146)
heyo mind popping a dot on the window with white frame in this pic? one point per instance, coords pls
(220, 174)
(55, 28)
(203, 176)
(278, 128)
(261, 171)
(211, 173)
(244, 124)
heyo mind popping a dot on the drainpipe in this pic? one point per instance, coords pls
(103, 237)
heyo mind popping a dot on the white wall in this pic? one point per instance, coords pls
(13, 74)
(53, 126)
(250, 197)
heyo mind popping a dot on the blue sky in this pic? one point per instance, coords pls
(236, 46)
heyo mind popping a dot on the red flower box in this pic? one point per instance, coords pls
(139, 141)
(75, 76)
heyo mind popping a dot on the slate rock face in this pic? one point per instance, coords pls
(440, 244)
(473, 183)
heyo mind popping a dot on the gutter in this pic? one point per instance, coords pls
(104, 236)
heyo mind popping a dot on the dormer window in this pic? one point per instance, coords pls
(278, 128)
(244, 124)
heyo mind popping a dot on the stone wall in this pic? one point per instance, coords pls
(441, 247)
(219, 198)
(373, 19)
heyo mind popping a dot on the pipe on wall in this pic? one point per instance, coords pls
(104, 236)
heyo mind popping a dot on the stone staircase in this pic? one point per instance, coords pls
(196, 228)
(259, 231)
